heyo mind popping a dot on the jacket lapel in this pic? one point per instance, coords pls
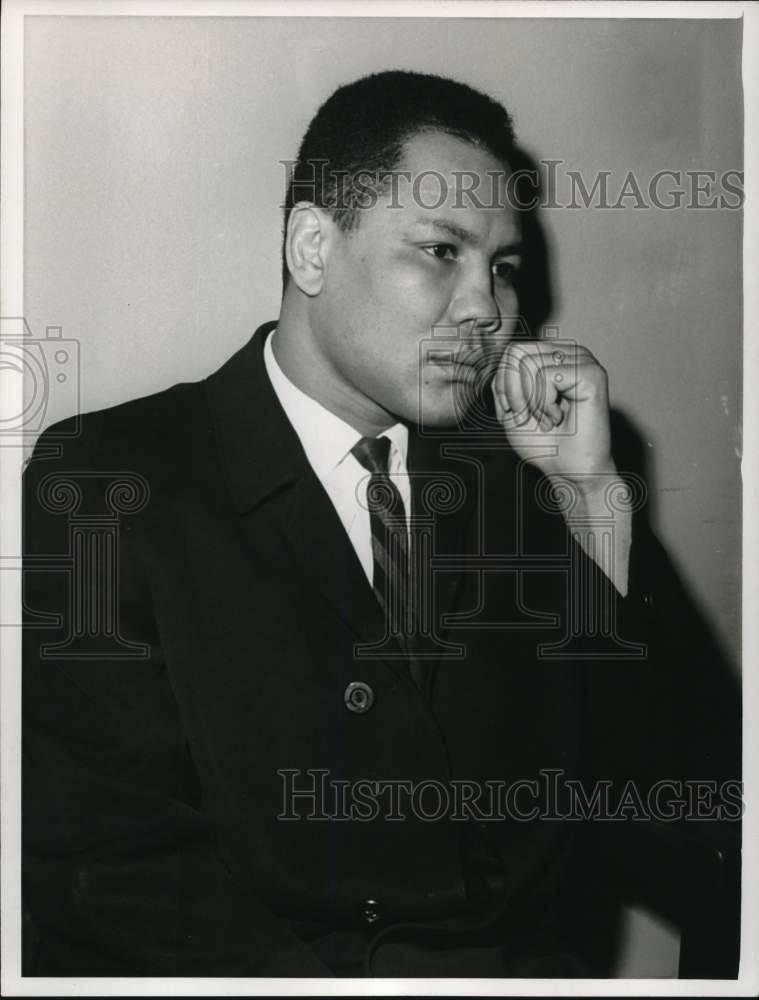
(445, 487)
(264, 465)
(326, 558)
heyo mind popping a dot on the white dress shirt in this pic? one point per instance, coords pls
(327, 441)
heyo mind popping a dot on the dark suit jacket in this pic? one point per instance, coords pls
(228, 606)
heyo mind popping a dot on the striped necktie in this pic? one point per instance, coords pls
(390, 546)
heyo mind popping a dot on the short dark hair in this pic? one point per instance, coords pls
(358, 135)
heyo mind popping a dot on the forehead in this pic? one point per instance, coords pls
(442, 176)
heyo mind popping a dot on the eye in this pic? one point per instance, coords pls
(441, 251)
(505, 270)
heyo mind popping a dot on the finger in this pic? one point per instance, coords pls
(551, 393)
(562, 352)
(541, 391)
(578, 382)
(557, 350)
(507, 387)
(552, 352)
(542, 379)
(535, 389)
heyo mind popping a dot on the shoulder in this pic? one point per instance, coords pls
(158, 437)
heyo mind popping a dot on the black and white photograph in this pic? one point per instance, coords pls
(377, 561)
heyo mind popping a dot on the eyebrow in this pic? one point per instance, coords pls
(465, 235)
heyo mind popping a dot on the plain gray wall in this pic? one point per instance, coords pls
(153, 187)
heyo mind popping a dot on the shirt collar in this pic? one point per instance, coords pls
(326, 439)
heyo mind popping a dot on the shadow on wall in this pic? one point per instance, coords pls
(634, 942)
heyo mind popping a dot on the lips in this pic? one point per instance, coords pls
(468, 369)
(447, 359)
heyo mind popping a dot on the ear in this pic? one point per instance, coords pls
(310, 234)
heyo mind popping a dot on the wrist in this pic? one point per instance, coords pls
(602, 494)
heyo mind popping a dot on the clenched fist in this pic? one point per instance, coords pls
(552, 399)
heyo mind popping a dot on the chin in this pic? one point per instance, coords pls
(438, 418)
(442, 407)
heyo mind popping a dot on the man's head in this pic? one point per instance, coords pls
(357, 136)
(397, 221)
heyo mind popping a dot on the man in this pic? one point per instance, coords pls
(382, 556)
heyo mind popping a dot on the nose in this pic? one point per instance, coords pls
(474, 304)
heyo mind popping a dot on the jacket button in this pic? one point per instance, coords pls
(358, 697)
(371, 911)
(648, 600)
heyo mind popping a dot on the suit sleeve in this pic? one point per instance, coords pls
(674, 713)
(122, 870)
(700, 684)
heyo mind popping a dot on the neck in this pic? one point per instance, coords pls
(298, 354)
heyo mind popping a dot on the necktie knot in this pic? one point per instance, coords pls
(373, 454)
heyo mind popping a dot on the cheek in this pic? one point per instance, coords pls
(411, 296)
(508, 303)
